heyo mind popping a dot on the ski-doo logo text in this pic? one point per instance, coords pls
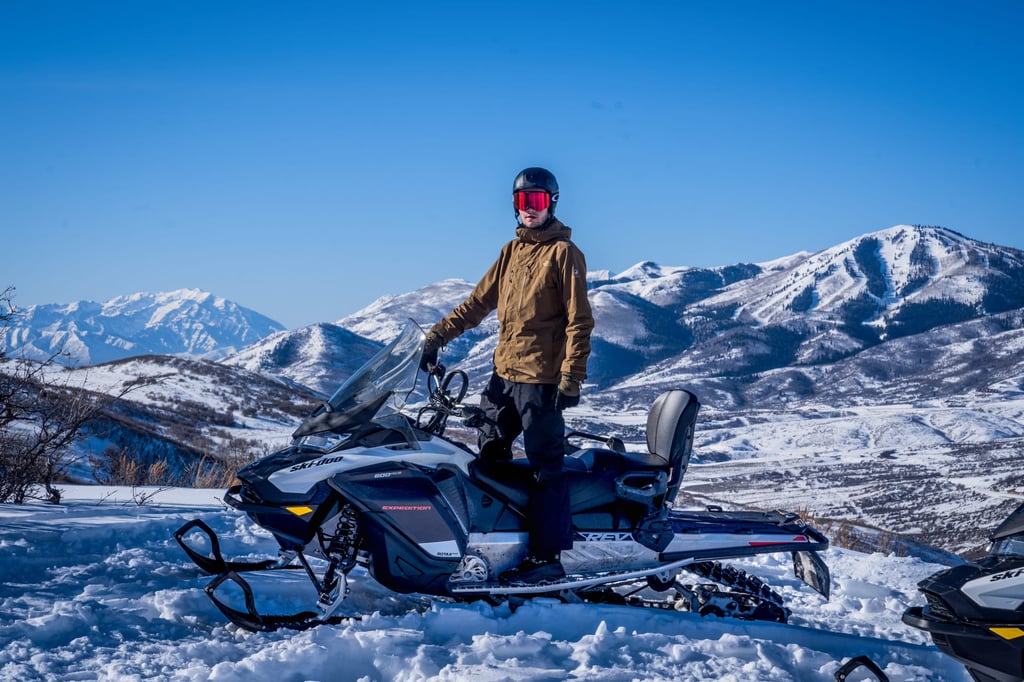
(1009, 574)
(316, 463)
(605, 537)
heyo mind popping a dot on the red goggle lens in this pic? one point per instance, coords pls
(538, 201)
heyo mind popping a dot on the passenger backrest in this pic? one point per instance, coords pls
(670, 426)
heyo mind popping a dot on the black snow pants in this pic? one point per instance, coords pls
(530, 409)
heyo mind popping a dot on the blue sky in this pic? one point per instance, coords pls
(303, 159)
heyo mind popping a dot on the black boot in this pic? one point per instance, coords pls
(535, 570)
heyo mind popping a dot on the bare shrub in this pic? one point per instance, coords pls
(848, 535)
(42, 415)
(118, 467)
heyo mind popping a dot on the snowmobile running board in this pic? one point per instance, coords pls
(807, 566)
(570, 583)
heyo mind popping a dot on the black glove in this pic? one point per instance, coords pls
(432, 344)
(568, 393)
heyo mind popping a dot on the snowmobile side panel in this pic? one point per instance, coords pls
(407, 501)
(946, 596)
(403, 565)
(1002, 590)
(256, 476)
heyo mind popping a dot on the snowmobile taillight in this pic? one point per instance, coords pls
(938, 608)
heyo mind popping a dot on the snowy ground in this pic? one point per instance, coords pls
(97, 589)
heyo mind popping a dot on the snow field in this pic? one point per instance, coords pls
(97, 589)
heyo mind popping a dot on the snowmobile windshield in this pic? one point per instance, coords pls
(1008, 538)
(375, 391)
(1009, 547)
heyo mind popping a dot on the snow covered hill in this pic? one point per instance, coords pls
(320, 356)
(97, 589)
(189, 413)
(384, 318)
(186, 321)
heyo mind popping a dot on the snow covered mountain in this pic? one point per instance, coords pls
(384, 318)
(733, 324)
(818, 308)
(186, 321)
(737, 321)
(320, 356)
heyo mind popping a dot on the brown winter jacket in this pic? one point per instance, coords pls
(539, 287)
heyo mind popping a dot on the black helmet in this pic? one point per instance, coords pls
(534, 178)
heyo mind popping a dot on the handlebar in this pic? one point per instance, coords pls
(442, 402)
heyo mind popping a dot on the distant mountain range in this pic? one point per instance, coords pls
(742, 332)
(880, 380)
(810, 326)
(184, 322)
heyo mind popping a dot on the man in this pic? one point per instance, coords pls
(539, 287)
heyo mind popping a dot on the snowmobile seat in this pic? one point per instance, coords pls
(670, 429)
(599, 476)
(591, 478)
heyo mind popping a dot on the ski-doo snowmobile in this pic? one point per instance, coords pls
(365, 484)
(975, 611)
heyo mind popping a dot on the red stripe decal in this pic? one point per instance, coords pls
(798, 538)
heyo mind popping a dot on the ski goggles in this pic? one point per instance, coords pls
(538, 201)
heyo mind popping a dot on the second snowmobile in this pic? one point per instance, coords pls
(975, 611)
(365, 484)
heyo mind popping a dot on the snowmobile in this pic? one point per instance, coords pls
(975, 611)
(364, 484)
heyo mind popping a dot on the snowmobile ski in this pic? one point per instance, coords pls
(214, 563)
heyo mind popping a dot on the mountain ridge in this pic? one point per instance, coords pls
(737, 320)
(181, 322)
